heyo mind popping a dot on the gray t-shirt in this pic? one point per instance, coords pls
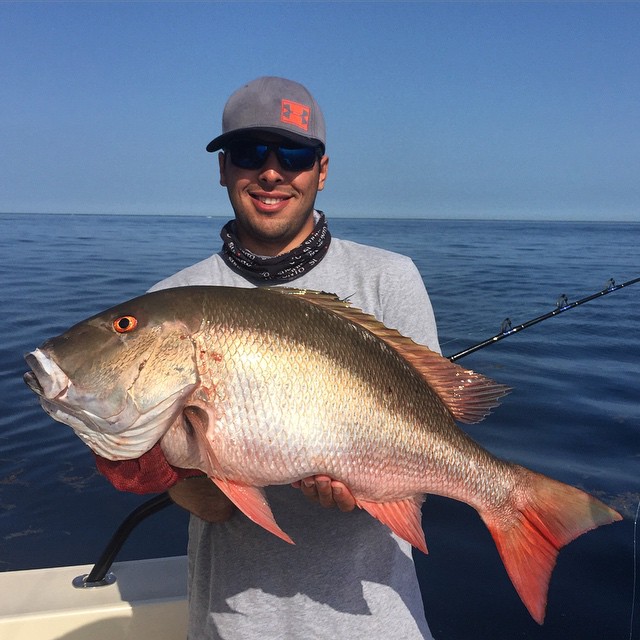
(347, 576)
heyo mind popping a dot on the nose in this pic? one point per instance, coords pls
(271, 172)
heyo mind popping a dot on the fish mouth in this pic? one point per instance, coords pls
(46, 378)
(32, 382)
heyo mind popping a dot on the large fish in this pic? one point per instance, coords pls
(267, 386)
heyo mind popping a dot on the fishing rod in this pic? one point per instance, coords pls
(562, 305)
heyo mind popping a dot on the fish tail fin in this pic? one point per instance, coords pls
(545, 516)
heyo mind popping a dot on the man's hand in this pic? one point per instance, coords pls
(328, 492)
(202, 498)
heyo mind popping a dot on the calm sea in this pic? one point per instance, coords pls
(573, 412)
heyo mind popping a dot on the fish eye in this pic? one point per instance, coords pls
(125, 324)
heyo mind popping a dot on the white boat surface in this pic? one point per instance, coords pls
(148, 600)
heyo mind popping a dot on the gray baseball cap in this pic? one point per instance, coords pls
(275, 105)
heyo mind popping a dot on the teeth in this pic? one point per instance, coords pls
(271, 200)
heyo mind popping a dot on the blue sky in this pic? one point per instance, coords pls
(434, 109)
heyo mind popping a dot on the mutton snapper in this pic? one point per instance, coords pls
(267, 386)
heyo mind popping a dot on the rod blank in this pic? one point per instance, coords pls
(562, 305)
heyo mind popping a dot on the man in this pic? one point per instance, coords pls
(347, 576)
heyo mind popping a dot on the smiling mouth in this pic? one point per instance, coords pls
(269, 200)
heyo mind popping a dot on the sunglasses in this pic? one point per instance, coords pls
(252, 154)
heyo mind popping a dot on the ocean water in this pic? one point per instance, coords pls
(573, 412)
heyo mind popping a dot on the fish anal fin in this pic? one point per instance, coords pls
(253, 503)
(402, 517)
(551, 515)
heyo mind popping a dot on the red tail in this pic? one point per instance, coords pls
(529, 533)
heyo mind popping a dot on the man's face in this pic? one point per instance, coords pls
(273, 206)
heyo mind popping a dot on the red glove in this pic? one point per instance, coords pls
(150, 473)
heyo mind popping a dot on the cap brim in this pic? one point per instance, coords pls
(218, 143)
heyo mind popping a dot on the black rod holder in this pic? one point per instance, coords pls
(99, 576)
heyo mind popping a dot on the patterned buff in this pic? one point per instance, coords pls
(283, 268)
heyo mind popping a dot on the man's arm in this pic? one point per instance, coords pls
(201, 497)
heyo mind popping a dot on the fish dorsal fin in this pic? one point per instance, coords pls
(469, 396)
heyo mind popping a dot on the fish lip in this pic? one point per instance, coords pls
(33, 383)
(46, 378)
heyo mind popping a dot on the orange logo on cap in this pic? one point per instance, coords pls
(296, 114)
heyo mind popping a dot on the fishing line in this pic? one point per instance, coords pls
(562, 305)
(635, 570)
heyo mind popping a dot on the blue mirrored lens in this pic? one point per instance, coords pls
(248, 154)
(296, 158)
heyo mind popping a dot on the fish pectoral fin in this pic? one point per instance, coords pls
(250, 500)
(402, 517)
(253, 503)
(197, 417)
